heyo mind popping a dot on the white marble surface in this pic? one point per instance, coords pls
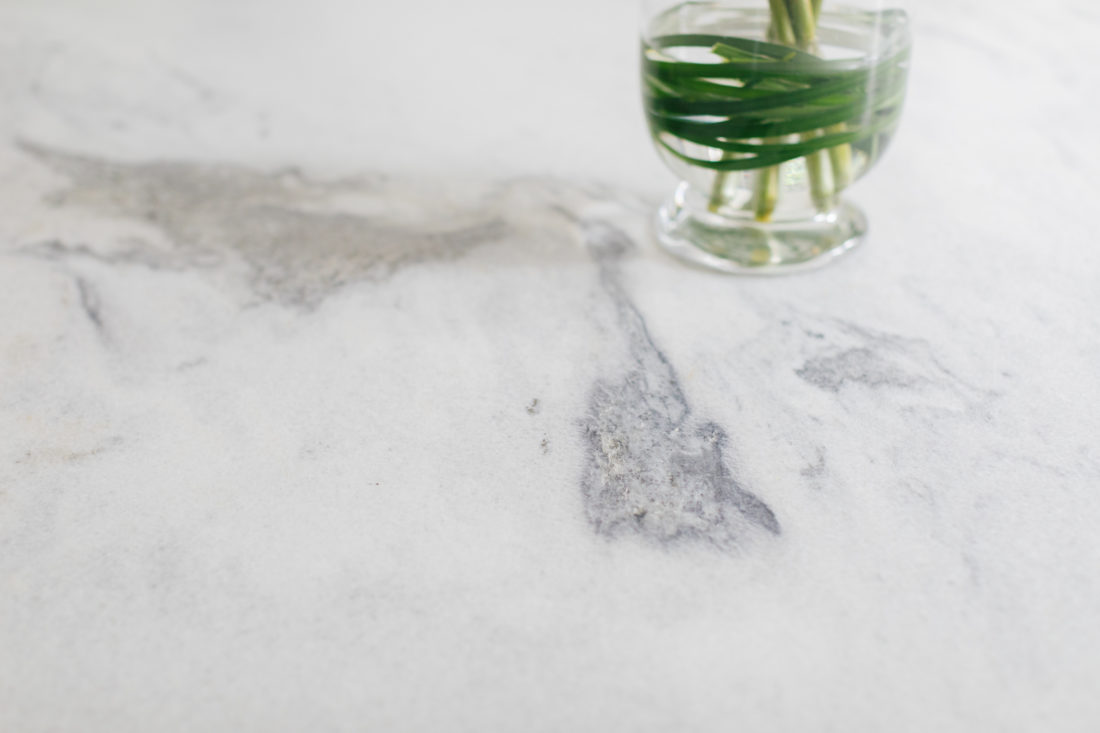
(312, 418)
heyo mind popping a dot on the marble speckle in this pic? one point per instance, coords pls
(816, 470)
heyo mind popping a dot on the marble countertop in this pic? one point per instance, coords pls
(312, 418)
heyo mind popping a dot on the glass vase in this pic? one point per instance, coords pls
(768, 110)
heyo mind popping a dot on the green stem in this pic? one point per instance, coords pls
(769, 183)
(822, 185)
(718, 188)
(803, 22)
(793, 24)
(804, 15)
(840, 157)
(780, 30)
(765, 195)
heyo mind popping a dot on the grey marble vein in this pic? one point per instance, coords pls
(297, 242)
(854, 366)
(653, 469)
(90, 303)
(843, 356)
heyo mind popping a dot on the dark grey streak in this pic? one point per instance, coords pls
(89, 302)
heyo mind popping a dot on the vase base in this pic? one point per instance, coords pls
(747, 247)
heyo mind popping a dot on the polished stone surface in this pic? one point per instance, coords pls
(315, 414)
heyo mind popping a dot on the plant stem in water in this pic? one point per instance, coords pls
(822, 185)
(771, 102)
(840, 156)
(765, 194)
(780, 30)
(823, 181)
(803, 22)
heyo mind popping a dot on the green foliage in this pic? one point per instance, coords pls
(755, 92)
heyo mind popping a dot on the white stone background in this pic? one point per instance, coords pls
(266, 461)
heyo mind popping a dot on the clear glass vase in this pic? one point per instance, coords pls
(768, 110)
